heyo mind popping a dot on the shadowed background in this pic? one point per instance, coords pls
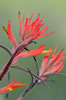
(54, 13)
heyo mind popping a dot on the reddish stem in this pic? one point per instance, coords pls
(6, 67)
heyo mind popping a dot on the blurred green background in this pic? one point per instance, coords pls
(54, 13)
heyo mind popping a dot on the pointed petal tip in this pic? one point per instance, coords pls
(13, 81)
(19, 12)
(9, 21)
(52, 32)
(24, 84)
(9, 26)
(64, 51)
(39, 14)
(21, 85)
(14, 78)
(64, 57)
(5, 29)
(47, 26)
(56, 46)
(32, 13)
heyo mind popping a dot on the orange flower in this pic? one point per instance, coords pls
(12, 86)
(52, 65)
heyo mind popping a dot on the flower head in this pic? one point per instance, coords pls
(52, 65)
(12, 86)
(32, 30)
(27, 31)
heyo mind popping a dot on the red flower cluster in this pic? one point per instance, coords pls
(52, 65)
(12, 86)
(30, 31)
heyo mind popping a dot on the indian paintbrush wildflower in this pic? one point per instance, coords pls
(28, 32)
(33, 29)
(53, 64)
(12, 86)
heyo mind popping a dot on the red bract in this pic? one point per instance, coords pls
(38, 51)
(28, 31)
(29, 53)
(52, 65)
(10, 34)
(12, 86)
(32, 30)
